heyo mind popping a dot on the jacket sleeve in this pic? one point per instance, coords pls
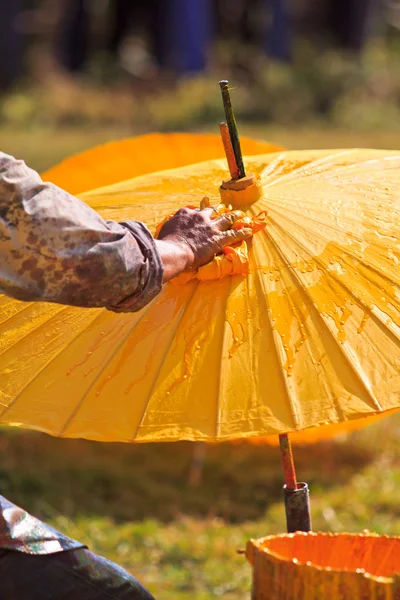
(55, 248)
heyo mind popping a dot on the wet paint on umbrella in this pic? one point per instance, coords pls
(309, 337)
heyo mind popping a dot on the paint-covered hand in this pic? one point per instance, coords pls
(200, 235)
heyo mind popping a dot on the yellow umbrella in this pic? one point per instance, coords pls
(309, 337)
(117, 161)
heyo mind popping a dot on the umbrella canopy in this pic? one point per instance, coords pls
(309, 337)
(119, 160)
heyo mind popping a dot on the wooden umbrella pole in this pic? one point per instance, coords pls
(287, 461)
(297, 499)
(231, 122)
(229, 153)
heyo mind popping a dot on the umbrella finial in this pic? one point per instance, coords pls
(233, 132)
(241, 190)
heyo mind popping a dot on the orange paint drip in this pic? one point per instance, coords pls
(115, 329)
(143, 329)
(91, 370)
(146, 371)
(193, 345)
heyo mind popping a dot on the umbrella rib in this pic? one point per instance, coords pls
(113, 354)
(343, 249)
(290, 214)
(304, 290)
(289, 398)
(16, 314)
(218, 407)
(14, 301)
(48, 362)
(373, 160)
(295, 172)
(144, 412)
(33, 331)
(350, 292)
(368, 264)
(295, 213)
(373, 400)
(274, 335)
(307, 343)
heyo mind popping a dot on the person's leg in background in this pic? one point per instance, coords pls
(70, 575)
(73, 35)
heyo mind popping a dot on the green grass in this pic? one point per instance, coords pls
(135, 505)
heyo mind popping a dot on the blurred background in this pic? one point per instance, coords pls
(305, 73)
(126, 66)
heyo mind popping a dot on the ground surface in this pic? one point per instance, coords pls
(134, 504)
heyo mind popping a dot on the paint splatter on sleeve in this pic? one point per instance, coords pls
(55, 248)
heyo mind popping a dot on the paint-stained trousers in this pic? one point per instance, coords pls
(71, 575)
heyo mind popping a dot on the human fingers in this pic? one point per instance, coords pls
(225, 221)
(233, 236)
(205, 203)
(210, 211)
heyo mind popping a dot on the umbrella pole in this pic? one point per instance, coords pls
(232, 128)
(229, 153)
(296, 494)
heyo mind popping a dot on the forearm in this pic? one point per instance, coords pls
(55, 248)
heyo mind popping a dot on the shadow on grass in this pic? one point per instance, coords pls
(131, 482)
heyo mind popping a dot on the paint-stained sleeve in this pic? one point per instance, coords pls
(55, 248)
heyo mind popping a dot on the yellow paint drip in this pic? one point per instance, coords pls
(195, 336)
(363, 323)
(145, 327)
(243, 314)
(357, 284)
(239, 331)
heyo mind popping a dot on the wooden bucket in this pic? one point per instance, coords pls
(332, 566)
